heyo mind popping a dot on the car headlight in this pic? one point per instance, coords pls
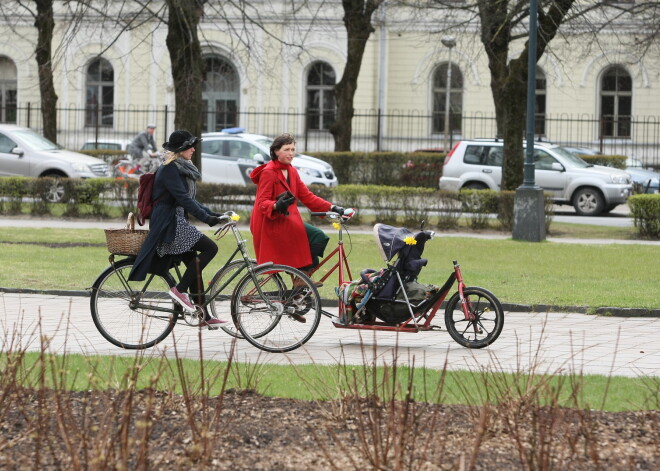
(309, 171)
(81, 168)
(620, 178)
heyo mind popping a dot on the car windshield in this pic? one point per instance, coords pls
(36, 141)
(573, 159)
(264, 141)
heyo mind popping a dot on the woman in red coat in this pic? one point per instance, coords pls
(279, 233)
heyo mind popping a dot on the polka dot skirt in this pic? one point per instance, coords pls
(186, 236)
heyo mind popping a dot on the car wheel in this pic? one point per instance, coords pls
(474, 186)
(56, 191)
(588, 202)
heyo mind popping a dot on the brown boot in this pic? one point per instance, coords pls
(298, 282)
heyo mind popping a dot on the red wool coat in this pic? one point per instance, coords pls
(278, 238)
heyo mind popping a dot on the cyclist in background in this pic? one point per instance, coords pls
(143, 144)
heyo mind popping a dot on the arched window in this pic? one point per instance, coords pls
(321, 105)
(440, 91)
(220, 94)
(8, 87)
(615, 102)
(100, 93)
(539, 114)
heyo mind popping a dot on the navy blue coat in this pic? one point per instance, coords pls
(162, 227)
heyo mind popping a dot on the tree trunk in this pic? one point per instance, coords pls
(357, 19)
(45, 24)
(187, 66)
(508, 79)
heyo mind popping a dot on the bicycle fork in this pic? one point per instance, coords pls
(465, 303)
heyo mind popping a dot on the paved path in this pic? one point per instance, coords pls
(539, 342)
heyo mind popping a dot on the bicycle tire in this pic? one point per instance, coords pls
(220, 305)
(488, 323)
(128, 326)
(269, 317)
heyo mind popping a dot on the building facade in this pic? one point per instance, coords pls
(277, 74)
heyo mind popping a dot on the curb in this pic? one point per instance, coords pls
(602, 311)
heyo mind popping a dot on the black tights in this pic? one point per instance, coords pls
(207, 250)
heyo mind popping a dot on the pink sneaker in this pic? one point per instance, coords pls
(212, 323)
(182, 299)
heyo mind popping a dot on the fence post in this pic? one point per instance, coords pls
(306, 126)
(96, 124)
(28, 114)
(165, 134)
(379, 135)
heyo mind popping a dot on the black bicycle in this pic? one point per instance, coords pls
(263, 299)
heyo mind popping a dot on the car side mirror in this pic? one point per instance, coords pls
(18, 151)
(260, 158)
(557, 166)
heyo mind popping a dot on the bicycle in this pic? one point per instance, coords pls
(133, 168)
(139, 315)
(473, 315)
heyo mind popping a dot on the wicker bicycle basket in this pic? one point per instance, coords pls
(127, 241)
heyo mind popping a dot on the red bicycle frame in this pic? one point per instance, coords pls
(410, 325)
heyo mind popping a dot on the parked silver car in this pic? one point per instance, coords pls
(230, 155)
(23, 152)
(591, 189)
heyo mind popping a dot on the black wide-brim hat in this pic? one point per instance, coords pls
(181, 140)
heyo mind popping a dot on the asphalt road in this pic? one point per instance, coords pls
(618, 217)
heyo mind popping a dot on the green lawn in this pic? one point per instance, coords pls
(516, 272)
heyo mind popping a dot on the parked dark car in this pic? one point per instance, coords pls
(645, 181)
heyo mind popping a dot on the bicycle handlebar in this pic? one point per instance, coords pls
(225, 220)
(335, 215)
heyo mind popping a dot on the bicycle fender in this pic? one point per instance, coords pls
(266, 264)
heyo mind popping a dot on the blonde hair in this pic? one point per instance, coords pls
(169, 157)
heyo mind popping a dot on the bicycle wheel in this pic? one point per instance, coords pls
(488, 322)
(273, 314)
(126, 313)
(221, 303)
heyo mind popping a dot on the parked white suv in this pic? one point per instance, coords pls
(230, 155)
(591, 189)
(23, 152)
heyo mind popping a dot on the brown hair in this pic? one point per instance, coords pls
(279, 141)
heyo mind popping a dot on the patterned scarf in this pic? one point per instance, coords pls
(187, 168)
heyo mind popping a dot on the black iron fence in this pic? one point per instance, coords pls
(372, 130)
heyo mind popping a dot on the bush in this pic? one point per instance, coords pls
(412, 169)
(645, 210)
(408, 206)
(14, 189)
(616, 161)
(480, 203)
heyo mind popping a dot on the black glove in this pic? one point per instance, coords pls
(337, 209)
(212, 221)
(284, 200)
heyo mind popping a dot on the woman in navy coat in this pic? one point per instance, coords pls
(170, 232)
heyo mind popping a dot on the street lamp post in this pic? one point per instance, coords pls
(449, 42)
(529, 206)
